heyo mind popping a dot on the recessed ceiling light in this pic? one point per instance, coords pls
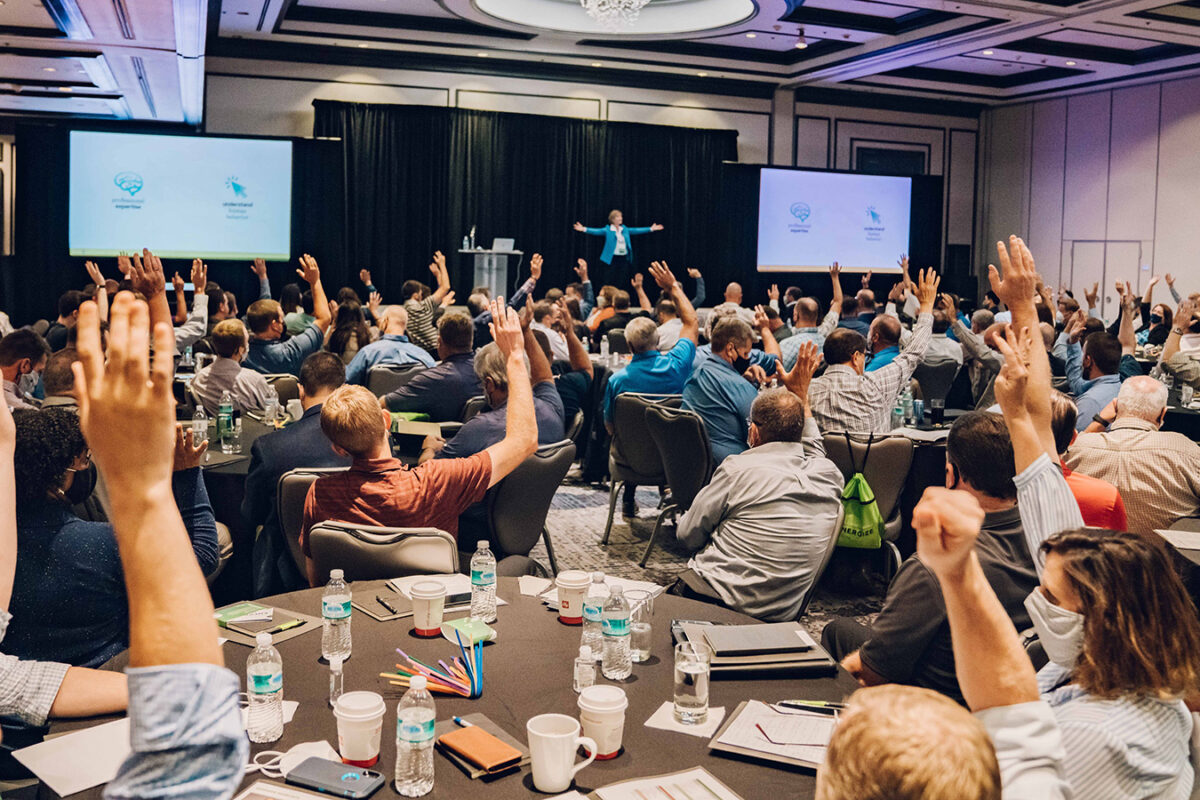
(701, 74)
(64, 88)
(989, 52)
(1070, 63)
(751, 35)
(482, 55)
(49, 69)
(801, 45)
(597, 64)
(364, 44)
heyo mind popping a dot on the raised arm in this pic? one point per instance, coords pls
(148, 278)
(590, 231)
(1179, 326)
(520, 423)
(643, 300)
(701, 295)
(1170, 279)
(539, 366)
(181, 310)
(687, 314)
(311, 273)
(101, 292)
(259, 268)
(589, 296)
(441, 275)
(196, 324)
(1125, 332)
(576, 354)
(835, 275)
(769, 345)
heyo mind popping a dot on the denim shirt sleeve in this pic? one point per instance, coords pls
(186, 735)
(191, 497)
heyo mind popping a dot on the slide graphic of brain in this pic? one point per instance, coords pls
(128, 182)
(801, 211)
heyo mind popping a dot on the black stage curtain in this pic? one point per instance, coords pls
(40, 270)
(417, 178)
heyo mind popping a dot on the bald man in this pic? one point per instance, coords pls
(733, 301)
(392, 347)
(884, 340)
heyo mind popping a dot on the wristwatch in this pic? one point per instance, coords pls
(1101, 420)
(1177, 331)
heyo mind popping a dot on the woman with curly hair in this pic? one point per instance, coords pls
(69, 601)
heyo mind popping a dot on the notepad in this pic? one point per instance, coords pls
(759, 731)
(758, 640)
(80, 760)
(1182, 540)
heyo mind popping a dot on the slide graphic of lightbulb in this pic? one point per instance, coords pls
(128, 182)
(238, 189)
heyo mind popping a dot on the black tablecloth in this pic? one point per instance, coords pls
(528, 672)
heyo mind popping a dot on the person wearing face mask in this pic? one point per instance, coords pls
(23, 356)
(723, 386)
(69, 601)
(846, 397)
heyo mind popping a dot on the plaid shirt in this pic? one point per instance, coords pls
(27, 688)
(843, 400)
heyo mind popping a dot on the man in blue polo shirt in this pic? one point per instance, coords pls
(392, 348)
(265, 318)
(720, 390)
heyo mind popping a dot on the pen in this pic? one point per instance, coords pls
(809, 704)
(291, 623)
(379, 599)
(462, 723)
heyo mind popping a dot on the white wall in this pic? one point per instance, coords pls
(1103, 186)
(275, 98)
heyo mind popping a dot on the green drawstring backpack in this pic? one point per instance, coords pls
(862, 524)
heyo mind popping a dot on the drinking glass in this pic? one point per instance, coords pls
(641, 610)
(693, 663)
(937, 410)
(1186, 393)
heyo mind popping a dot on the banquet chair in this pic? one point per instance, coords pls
(616, 341)
(368, 552)
(575, 426)
(936, 379)
(686, 454)
(633, 456)
(385, 378)
(826, 557)
(473, 406)
(287, 386)
(290, 493)
(517, 507)
(886, 470)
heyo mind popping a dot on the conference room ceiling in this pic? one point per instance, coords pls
(980, 51)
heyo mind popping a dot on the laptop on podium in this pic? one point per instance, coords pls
(503, 245)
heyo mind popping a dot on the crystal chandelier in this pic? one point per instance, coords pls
(613, 15)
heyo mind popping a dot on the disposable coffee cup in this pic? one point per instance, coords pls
(359, 726)
(572, 589)
(429, 603)
(602, 715)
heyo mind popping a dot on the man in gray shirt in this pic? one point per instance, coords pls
(766, 518)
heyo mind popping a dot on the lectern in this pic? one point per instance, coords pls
(491, 269)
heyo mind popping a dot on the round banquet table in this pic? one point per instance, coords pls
(527, 671)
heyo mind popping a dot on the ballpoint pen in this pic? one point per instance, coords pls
(816, 706)
(283, 626)
(379, 599)
(462, 723)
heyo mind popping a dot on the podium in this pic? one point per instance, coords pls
(491, 269)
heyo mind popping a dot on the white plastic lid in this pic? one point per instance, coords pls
(335, 664)
(262, 638)
(482, 544)
(573, 579)
(603, 698)
(615, 589)
(336, 574)
(359, 706)
(418, 682)
(585, 652)
(427, 590)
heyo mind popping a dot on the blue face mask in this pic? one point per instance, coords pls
(1156, 319)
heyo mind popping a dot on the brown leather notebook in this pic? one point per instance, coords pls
(481, 749)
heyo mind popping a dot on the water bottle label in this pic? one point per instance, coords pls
(593, 612)
(224, 425)
(414, 732)
(266, 684)
(335, 608)
(483, 577)
(616, 627)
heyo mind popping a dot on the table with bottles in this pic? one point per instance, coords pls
(528, 670)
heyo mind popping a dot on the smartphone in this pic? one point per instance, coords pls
(336, 778)
(463, 599)
(677, 634)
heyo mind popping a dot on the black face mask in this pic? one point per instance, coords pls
(741, 364)
(1155, 319)
(82, 486)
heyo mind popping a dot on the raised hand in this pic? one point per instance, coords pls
(773, 292)
(1154, 279)
(662, 275)
(259, 268)
(693, 273)
(1013, 379)
(364, 275)
(564, 313)
(835, 270)
(526, 314)
(1170, 279)
(655, 227)
(373, 303)
(581, 270)
(188, 454)
(1076, 325)
(147, 276)
(535, 266)
(927, 286)
(896, 293)
(125, 266)
(94, 273)
(636, 280)
(448, 300)
(1183, 315)
(760, 318)
(177, 282)
(579, 227)
(1092, 295)
(808, 358)
(199, 276)
(866, 280)
(1016, 281)
(438, 265)
(947, 522)
(309, 271)
(949, 305)
(1128, 301)
(506, 328)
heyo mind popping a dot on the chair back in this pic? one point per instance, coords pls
(367, 553)
(936, 379)
(385, 378)
(633, 455)
(616, 341)
(287, 386)
(473, 406)
(291, 491)
(826, 557)
(40, 327)
(517, 506)
(685, 451)
(575, 426)
(886, 469)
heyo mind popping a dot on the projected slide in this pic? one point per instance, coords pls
(181, 196)
(808, 220)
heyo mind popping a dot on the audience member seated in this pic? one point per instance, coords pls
(302, 316)
(23, 356)
(69, 600)
(421, 304)
(603, 308)
(380, 490)
(68, 313)
(1177, 360)
(909, 641)
(621, 316)
(58, 379)
(850, 317)
(723, 387)
(779, 329)
(1099, 501)
(581, 290)
(883, 339)
(301, 444)
(846, 397)
(442, 390)
(547, 320)
(392, 348)
(669, 323)
(1156, 472)
(480, 310)
(764, 522)
(248, 389)
(268, 353)
(807, 324)
(941, 347)
(982, 362)
(1092, 370)
(349, 332)
(733, 302)
(574, 385)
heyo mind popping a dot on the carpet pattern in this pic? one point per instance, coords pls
(576, 523)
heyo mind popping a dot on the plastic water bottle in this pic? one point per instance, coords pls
(466, 243)
(617, 663)
(585, 670)
(593, 615)
(897, 417)
(225, 434)
(604, 350)
(414, 740)
(271, 406)
(335, 616)
(483, 583)
(199, 425)
(336, 680)
(264, 685)
(906, 401)
(187, 360)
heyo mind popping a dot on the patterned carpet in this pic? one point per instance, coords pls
(576, 523)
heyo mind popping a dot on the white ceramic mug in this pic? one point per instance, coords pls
(553, 740)
(429, 604)
(602, 714)
(359, 725)
(572, 586)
